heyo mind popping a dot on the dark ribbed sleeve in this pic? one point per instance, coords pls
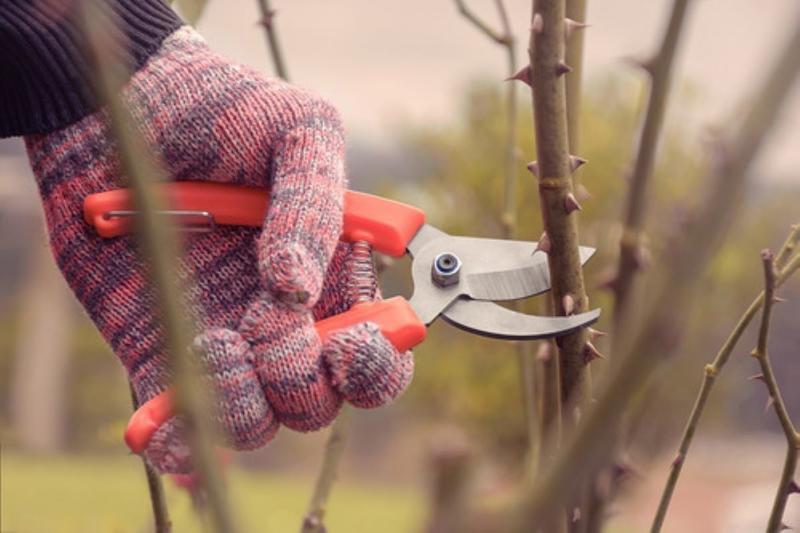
(45, 79)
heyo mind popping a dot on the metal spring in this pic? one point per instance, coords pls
(362, 271)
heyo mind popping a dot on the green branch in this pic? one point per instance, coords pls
(712, 370)
(775, 524)
(159, 245)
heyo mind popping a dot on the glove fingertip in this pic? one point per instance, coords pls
(366, 368)
(293, 275)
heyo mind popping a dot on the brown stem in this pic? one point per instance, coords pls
(547, 48)
(273, 43)
(710, 373)
(776, 399)
(644, 346)
(334, 448)
(155, 488)
(159, 244)
(660, 70)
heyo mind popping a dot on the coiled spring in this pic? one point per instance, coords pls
(362, 271)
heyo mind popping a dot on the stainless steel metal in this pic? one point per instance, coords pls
(423, 237)
(490, 270)
(446, 269)
(210, 223)
(491, 320)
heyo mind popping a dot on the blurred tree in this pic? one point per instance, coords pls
(42, 353)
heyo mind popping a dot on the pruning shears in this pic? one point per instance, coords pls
(457, 278)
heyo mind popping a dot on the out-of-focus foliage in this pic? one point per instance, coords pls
(112, 499)
(191, 10)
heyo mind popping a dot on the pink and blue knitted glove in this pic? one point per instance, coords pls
(254, 293)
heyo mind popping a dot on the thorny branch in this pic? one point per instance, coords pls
(761, 354)
(660, 70)
(558, 203)
(159, 244)
(641, 349)
(712, 370)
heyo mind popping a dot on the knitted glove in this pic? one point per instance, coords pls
(254, 293)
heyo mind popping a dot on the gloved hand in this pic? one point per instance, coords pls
(254, 294)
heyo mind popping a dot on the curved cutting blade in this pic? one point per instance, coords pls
(492, 320)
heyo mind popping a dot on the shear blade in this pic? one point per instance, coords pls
(492, 320)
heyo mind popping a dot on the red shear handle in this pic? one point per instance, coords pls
(385, 224)
(395, 316)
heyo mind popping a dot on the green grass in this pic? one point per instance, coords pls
(109, 495)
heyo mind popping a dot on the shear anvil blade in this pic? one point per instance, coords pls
(492, 320)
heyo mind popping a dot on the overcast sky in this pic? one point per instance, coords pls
(380, 61)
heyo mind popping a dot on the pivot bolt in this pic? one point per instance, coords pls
(446, 269)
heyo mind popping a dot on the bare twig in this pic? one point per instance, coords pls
(711, 372)
(641, 350)
(496, 36)
(155, 488)
(576, 13)
(334, 448)
(660, 70)
(159, 245)
(268, 22)
(761, 354)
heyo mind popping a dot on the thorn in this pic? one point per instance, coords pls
(779, 300)
(678, 461)
(759, 377)
(544, 244)
(538, 23)
(783, 527)
(543, 353)
(523, 75)
(793, 488)
(770, 403)
(571, 203)
(562, 68)
(595, 334)
(576, 514)
(590, 353)
(620, 471)
(568, 303)
(581, 192)
(642, 257)
(533, 167)
(266, 20)
(571, 26)
(576, 162)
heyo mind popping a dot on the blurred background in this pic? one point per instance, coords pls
(421, 94)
